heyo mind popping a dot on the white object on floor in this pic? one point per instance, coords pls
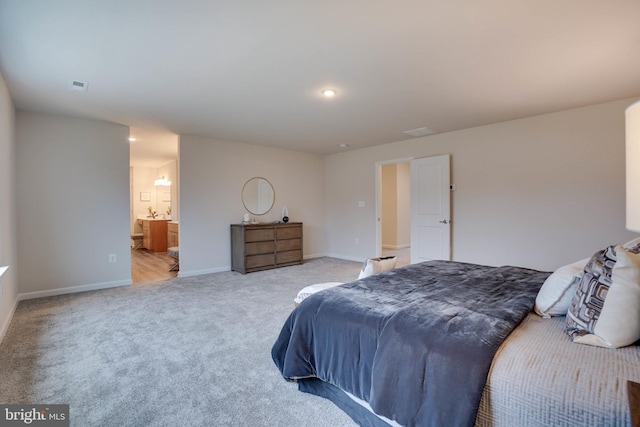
(312, 289)
(370, 267)
(373, 266)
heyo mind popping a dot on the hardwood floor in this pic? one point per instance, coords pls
(147, 266)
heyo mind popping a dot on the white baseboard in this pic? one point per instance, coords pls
(182, 273)
(191, 273)
(392, 247)
(7, 321)
(73, 289)
(346, 257)
(312, 256)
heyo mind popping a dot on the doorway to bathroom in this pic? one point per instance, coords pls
(154, 208)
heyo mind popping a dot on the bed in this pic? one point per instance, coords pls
(449, 343)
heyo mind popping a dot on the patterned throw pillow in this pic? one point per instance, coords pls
(605, 310)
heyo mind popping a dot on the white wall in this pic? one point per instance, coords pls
(8, 250)
(212, 174)
(72, 204)
(537, 192)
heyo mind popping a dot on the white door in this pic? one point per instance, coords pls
(430, 209)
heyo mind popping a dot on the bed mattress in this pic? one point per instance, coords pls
(540, 378)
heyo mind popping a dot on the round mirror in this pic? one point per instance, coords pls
(258, 196)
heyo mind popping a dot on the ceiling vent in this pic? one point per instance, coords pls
(78, 85)
(418, 132)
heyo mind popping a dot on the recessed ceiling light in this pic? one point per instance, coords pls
(131, 139)
(343, 145)
(329, 93)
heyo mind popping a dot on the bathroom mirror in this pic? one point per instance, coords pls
(258, 196)
(163, 201)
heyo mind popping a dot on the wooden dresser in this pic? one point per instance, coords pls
(154, 234)
(257, 247)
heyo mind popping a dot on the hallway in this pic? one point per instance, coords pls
(404, 255)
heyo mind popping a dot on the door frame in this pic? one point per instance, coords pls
(378, 184)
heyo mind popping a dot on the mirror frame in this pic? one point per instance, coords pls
(273, 197)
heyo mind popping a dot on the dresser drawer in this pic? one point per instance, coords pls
(289, 232)
(259, 235)
(256, 248)
(254, 261)
(289, 245)
(288, 256)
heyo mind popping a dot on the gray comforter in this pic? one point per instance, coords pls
(416, 343)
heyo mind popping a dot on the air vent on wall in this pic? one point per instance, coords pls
(418, 132)
(78, 85)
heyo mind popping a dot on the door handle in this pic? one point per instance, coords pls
(444, 221)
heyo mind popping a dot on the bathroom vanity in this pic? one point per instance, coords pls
(154, 234)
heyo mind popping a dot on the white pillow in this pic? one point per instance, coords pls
(312, 289)
(605, 310)
(557, 291)
(373, 266)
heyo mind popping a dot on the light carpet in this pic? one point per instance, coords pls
(181, 352)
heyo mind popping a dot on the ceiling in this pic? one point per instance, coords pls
(152, 148)
(252, 71)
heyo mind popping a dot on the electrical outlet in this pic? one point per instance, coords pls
(357, 241)
(112, 258)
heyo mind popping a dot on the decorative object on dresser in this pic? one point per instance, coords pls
(257, 247)
(154, 234)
